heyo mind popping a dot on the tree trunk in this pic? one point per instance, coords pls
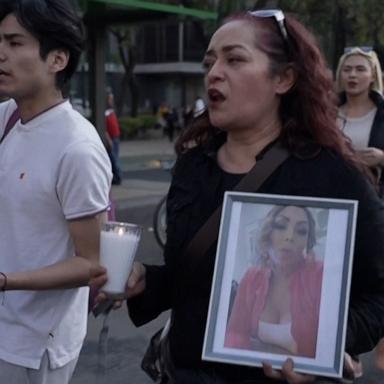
(339, 34)
(133, 88)
(122, 94)
(128, 60)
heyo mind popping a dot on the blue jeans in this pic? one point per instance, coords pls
(114, 157)
(115, 150)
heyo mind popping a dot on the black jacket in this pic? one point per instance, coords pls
(197, 189)
(376, 137)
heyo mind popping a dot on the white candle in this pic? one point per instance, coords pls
(117, 252)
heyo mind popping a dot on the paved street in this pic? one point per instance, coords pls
(143, 186)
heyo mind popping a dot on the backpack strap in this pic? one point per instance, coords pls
(10, 123)
(207, 235)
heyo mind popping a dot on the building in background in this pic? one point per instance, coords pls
(169, 63)
(168, 69)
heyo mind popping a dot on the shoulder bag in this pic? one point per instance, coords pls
(10, 123)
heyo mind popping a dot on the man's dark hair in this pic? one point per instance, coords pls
(55, 24)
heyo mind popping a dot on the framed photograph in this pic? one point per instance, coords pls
(281, 282)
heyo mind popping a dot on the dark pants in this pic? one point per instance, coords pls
(189, 376)
(115, 168)
(186, 376)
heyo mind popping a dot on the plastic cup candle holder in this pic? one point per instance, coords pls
(118, 246)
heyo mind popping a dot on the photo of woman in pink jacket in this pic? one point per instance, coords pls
(277, 303)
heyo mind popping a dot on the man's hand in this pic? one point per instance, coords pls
(98, 276)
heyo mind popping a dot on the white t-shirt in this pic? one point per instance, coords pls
(52, 169)
(358, 129)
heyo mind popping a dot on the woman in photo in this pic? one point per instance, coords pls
(277, 304)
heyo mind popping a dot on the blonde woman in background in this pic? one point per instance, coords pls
(361, 112)
(361, 116)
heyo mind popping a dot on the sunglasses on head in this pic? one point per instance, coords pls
(278, 15)
(365, 49)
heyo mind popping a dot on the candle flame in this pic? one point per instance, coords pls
(120, 232)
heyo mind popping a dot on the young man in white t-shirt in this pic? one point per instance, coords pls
(55, 178)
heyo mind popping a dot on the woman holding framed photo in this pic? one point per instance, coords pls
(266, 83)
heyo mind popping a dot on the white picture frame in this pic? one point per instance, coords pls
(238, 266)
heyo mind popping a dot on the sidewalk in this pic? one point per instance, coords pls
(138, 155)
(153, 146)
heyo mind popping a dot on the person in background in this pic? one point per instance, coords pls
(361, 111)
(54, 187)
(199, 107)
(162, 112)
(267, 83)
(113, 138)
(171, 118)
(361, 116)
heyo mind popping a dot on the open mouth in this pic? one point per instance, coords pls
(286, 251)
(3, 73)
(215, 96)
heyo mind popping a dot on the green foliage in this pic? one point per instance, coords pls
(132, 126)
(341, 23)
(148, 121)
(335, 23)
(129, 127)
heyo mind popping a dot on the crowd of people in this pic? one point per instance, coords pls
(267, 85)
(172, 121)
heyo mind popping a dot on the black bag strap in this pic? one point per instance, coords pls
(10, 123)
(206, 236)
